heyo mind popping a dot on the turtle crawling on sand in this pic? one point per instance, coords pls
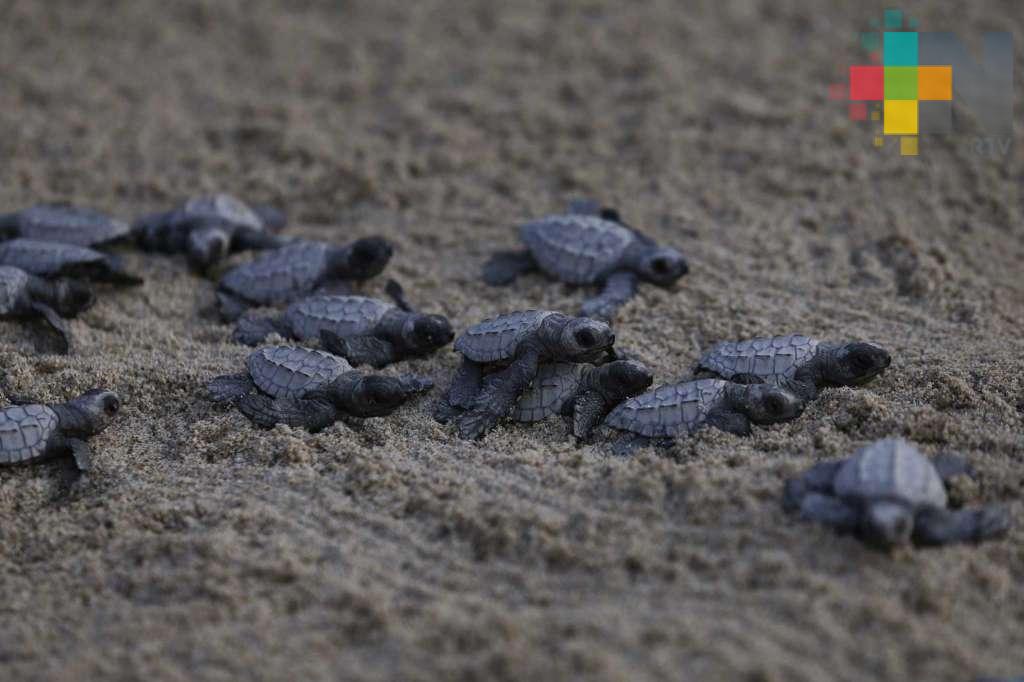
(364, 331)
(668, 412)
(207, 228)
(514, 345)
(310, 388)
(25, 296)
(35, 432)
(53, 259)
(589, 246)
(294, 271)
(63, 223)
(800, 363)
(889, 494)
(581, 392)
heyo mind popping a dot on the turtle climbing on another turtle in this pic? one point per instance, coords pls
(514, 346)
(310, 388)
(35, 432)
(671, 411)
(52, 259)
(364, 331)
(63, 223)
(292, 272)
(589, 246)
(889, 494)
(581, 392)
(208, 228)
(25, 296)
(800, 363)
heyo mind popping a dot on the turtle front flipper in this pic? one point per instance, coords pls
(312, 415)
(950, 466)
(936, 526)
(505, 267)
(396, 293)
(82, 454)
(230, 387)
(248, 239)
(359, 350)
(628, 443)
(413, 384)
(251, 331)
(829, 511)
(618, 288)
(57, 323)
(817, 479)
(229, 307)
(112, 271)
(730, 422)
(589, 410)
(498, 396)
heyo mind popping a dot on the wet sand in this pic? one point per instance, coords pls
(202, 548)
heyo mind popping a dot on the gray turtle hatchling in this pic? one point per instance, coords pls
(889, 494)
(588, 246)
(63, 223)
(514, 344)
(364, 331)
(581, 392)
(294, 271)
(668, 412)
(35, 432)
(310, 388)
(52, 259)
(800, 363)
(207, 228)
(25, 296)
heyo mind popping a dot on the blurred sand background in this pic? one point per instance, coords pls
(203, 549)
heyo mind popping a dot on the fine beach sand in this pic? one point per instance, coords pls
(201, 548)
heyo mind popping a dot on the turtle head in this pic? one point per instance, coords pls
(887, 523)
(767, 404)
(857, 363)
(583, 338)
(427, 333)
(663, 266)
(72, 297)
(375, 396)
(623, 379)
(93, 411)
(363, 259)
(208, 246)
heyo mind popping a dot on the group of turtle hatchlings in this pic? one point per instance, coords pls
(524, 365)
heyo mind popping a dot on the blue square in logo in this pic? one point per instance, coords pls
(899, 48)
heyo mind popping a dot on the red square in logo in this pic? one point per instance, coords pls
(867, 83)
(858, 111)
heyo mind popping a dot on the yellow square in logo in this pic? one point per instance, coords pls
(900, 117)
(908, 146)
(879, 140)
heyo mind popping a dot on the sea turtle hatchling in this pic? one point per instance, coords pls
(209, 227)
(295, 271)
(514, 345)
(581, 392)
(589, 246)
(52, 259)
(364, 331)
(36, 432)
(25, 296)
(800, 363)
(310, 388)
(674, 410)
(63, 223)
(890, 494)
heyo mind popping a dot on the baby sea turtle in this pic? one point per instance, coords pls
(517, 343)
(25, 296)
(581, 392)
(668, 412)
(35, 432)
(294, 271)
(365, 331)
(310, 388)
(63, 223)
(207, 228)
(799, 363)
(52, 259)
(589, 246)
(889, 494)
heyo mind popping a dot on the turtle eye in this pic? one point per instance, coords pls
(111, 405)
(611, 214)
(775, 405)
(661, 266)
(585, 338)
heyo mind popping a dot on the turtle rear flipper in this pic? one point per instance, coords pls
(251, 331)
(505, 267)
(313, 415)
(936, 526)
(359, 350)
(248, 239)
(229, 307)
(619, 288)
(817, 479)
(274, 219)
(230, 387)
(57, 323)
(111, 270)
(829, 511)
